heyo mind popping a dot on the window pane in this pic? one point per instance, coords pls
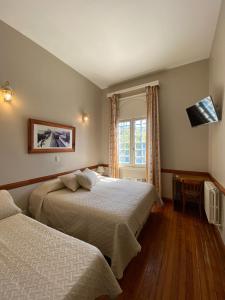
(140, 141)
(124, 142)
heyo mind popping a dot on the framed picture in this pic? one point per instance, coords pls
(46, 137)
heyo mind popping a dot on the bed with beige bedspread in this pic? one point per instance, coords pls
(38, 262)
(110, 216)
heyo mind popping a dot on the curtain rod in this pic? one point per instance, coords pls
(134, 88)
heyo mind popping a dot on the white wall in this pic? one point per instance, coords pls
(46, 89)
(217, 90)
(182, 147)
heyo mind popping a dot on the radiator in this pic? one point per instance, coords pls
(212, 203)
(135, 179)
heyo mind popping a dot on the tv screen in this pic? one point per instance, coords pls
(202, 112)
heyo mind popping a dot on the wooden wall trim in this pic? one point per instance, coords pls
(15, 185)
(172, 171)
(194, 173)
(217, 184)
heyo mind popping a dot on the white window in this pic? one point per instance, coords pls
(132, 142)
(124, 142)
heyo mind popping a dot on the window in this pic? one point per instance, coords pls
(140, 141)
(124, 142)
(132, 142)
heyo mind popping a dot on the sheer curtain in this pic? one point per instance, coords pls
(113, 142)
(153, 163)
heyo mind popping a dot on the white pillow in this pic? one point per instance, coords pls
(93, 174)
(70, 180)
(7, 206)
(87, 179)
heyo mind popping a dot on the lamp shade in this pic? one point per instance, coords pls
(85, 117)
(101, 170)
(7, 91)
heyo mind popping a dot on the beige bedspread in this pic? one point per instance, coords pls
(109, 216)
(38, 262)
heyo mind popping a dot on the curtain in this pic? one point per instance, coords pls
(153, 163)
(113, 142)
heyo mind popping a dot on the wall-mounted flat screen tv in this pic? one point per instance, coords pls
(202, 112)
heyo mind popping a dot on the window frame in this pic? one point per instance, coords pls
(120, 121)
(132, 143)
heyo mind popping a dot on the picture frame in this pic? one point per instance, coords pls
(49, 137)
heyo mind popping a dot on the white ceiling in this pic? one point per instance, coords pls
(109, 41)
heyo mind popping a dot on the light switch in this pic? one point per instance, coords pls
(57, 159)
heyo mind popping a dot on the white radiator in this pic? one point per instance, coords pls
(212, 203)
(135, 179)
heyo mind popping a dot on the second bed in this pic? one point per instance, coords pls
(110, 216)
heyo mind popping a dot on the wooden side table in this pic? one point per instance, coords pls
(177, 187)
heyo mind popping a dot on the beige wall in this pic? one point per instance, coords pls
(217, 90)
(182, 147)
(46, 89)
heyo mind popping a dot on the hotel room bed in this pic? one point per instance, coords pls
(38, 262)
(110, 216)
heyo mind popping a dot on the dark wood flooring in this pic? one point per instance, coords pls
(182, 257)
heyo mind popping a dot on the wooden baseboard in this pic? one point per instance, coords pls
(219, 235)
(167, 200)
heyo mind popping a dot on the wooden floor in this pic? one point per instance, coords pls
(181, 258)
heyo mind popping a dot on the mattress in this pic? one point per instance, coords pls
(38, 262)
(109, 216)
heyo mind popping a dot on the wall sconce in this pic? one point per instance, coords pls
(7, 92)
(85, 117)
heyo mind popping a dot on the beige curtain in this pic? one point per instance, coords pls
(153, 164)
(113, 143)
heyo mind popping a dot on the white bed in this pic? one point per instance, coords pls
(110, 216)
(38, 262)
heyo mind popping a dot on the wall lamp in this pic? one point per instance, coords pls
(101, 170)
(7, 92)
(85, 117)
